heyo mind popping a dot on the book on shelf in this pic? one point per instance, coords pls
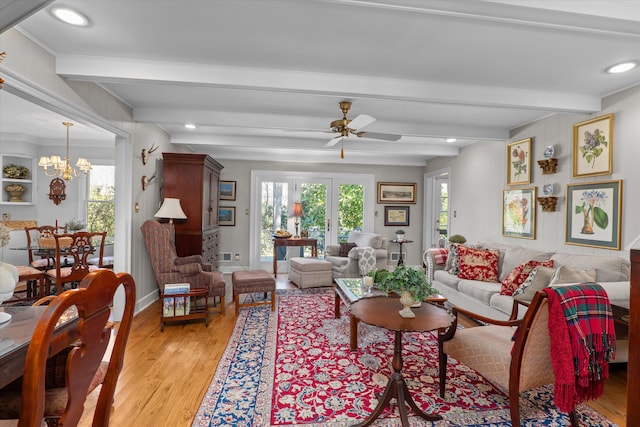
(176, 306)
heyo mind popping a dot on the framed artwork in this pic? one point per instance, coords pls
(227, 190)
(226, 215)
(594, 212)
(519, 162)
(396, 215)
(396, 192)
(593, 147)
(519, 213)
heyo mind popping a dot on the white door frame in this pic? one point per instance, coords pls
(431, 200)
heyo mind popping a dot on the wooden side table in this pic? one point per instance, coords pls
(401, 242)
(292, 241)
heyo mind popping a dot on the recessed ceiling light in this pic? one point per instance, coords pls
(190, 126)
(450, 140)
(622, 67)
(70, 16)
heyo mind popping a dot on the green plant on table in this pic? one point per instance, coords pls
(406, 278)
(378, 274)
(457, 238)
(75, 225)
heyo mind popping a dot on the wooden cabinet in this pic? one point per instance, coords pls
(194, 179)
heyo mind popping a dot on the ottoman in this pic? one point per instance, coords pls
(310, 272)
(248, 282)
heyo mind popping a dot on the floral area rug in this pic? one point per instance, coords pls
(294, 367)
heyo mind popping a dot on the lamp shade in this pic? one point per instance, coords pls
(296, 210)
(171, 209)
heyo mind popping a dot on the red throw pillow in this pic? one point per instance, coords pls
(519, 274)
(478, 264)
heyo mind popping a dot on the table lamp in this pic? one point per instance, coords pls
(171, 209)
(296, 212)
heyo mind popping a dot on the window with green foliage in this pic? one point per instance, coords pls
(101, 199)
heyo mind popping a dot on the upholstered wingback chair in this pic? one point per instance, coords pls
(168, 267)
(345, 258)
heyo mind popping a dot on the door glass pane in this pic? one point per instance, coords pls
(443, 216)
(314, 205)
(350, 209)
(273, 205)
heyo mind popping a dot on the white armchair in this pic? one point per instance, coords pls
(346, 265)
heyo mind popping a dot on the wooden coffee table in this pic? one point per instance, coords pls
(383, 312)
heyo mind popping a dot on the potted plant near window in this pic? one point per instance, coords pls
(410, 284)
(457, 238)
(74, 225)
(400, 235)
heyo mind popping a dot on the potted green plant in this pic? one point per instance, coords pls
(378, 274)
(457, 238)
(410, 284)
(400, 235)
(16, 171)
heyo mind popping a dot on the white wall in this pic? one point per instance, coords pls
(479, 176)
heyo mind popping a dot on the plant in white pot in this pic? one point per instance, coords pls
(410, 284)
(400, 235)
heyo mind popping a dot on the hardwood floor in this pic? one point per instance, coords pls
(166, 374)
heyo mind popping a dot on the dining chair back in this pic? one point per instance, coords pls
(34, 234)
(88, 338)
(75, 249)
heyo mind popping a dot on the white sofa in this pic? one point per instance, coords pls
(484, 298)
(347, 266)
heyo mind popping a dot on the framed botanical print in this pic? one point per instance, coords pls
(519, 213)
(519, 162)
(594, 212)
(593, 147)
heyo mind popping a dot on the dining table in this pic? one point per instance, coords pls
(16, 333)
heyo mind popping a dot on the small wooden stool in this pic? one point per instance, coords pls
(246, 282)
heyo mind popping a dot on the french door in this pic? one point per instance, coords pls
(437, 215)
(332, 206)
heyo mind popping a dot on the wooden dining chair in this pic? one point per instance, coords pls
(34, 234)
(81, 245)
(82, 345)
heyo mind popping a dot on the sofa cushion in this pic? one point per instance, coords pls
(363, 239)
(447, 279)
(478, 264)
(539, 279)
(345, 248)
(516, 255)
(608, 268)
(479, 290)
(566, 274)
(519, 274)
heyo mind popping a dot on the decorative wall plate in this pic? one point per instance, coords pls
(547, 189)
(548, 152)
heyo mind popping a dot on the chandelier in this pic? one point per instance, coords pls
(62, 168)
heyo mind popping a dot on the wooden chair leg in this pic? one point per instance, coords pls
(514, 407)
(573, 418)
(273, 300)
(442, 362)
(237, 300)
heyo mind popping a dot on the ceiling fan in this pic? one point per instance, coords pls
(345, 127)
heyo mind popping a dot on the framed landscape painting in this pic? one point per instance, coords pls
(594, 212)
(593, 147)
(226, 215)
(227, 190)
(519, 213)
(396, 215)
(519, 162)
(396, 192)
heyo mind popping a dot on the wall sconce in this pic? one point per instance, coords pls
(146, 153)
(145, 181)
(56, 191)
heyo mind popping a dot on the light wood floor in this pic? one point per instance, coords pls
(166, 374)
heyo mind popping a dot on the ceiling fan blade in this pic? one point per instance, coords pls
(334, 141)
(361, 121)
(382, 136)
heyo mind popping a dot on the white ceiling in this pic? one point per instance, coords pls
(262, 79)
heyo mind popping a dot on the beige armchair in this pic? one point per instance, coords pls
(346, 264)
(168, 267)
(514, 361)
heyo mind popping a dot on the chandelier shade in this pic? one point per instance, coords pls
(62, 167)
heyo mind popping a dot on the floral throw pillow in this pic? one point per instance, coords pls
(478, 264)
(451, 264)
(519, 274)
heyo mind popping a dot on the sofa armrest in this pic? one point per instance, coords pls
(188, 259)
(430, 262)
(477, 317)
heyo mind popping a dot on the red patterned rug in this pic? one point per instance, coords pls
(295, 368)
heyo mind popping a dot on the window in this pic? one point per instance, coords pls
(101, 199)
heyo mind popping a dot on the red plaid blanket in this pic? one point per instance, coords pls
(440, 255)
(582, 338)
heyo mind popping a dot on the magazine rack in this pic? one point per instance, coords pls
(194, 311)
